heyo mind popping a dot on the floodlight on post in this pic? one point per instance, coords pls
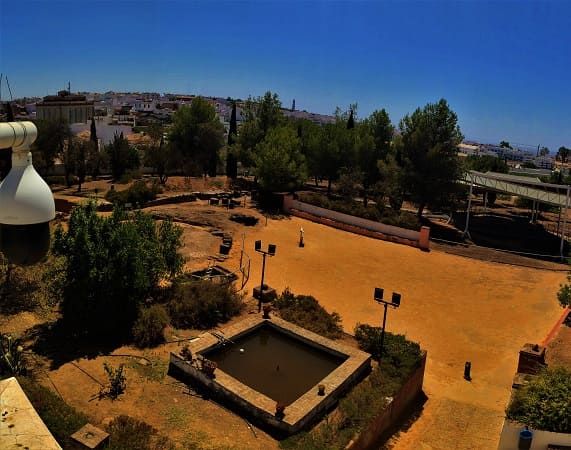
(395, 303)
(271, 251)
(26, 201)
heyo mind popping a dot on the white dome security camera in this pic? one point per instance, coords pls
(26, 201)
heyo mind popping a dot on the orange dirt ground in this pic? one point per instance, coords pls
(458, 309)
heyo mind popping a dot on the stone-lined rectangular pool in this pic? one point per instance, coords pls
(275, 363)
(280, 362)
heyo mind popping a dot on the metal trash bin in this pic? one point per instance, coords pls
(525, 439)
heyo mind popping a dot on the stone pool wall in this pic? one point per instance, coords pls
(259, 408)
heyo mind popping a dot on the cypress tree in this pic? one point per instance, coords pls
(233, 126)
(93, 134)
(351, 121)
(231, 160)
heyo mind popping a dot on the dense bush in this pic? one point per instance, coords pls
(203, 304)
(544, 403)
(61, 419)
(128, 433)
(149, 327)
(138, 194)
(305, 311)
(110, 266)
(377, 213)
(399, 353)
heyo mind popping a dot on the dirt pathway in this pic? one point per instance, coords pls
(459, 309)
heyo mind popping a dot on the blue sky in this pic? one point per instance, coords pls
(504, 67)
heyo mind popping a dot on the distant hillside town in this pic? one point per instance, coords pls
(128, 112)
(131, 109)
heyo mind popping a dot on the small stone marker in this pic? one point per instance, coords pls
(90, 436)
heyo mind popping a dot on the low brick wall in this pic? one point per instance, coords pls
(407, 395)
(377, 230)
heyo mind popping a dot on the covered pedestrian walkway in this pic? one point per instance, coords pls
(530, 188)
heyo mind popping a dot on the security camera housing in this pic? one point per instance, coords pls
(26, 201)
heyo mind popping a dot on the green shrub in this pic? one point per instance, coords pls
(149, 327)
(203, 304)
(128, 433)
(117, 382)
(12, 358)
(139, 194)
(376, 213)
(126, 178)
(305, 311)
(61, 419)
(399, 354)
(544, 403)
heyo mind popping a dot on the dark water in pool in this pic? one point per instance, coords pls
(275, 364)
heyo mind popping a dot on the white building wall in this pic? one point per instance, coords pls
(541, 439)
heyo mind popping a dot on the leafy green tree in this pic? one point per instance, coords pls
(111, 266)
(390, 182)
(158, 155)
(430, 139)
(373, 144)
(563, 154)
(486, 163)
(310, 135)
(543, 151)
(50, 144)
(382, 130)
(350, 183)
(280, 164)
(564, 294)
(122, 156)
(196, 137)
(259, 116)
(336, 151)
(544, 402)
(269, 112)
(505, 144)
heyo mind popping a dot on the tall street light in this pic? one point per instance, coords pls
(395, 303)
(270, 251)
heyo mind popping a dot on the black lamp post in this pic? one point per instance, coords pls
(270, 251)
(395, 303)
